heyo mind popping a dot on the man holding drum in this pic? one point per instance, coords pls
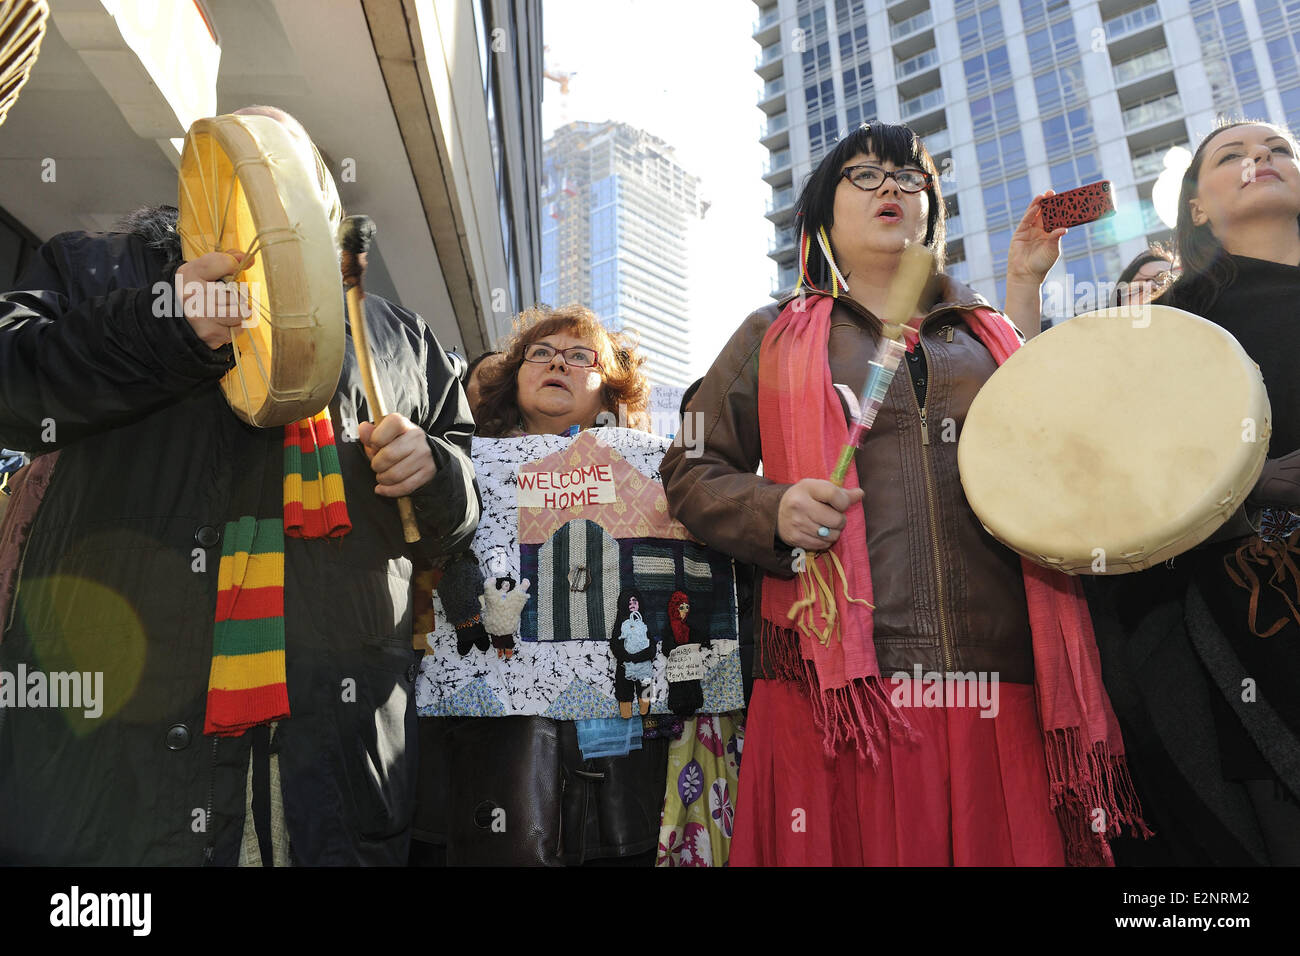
(236, 599)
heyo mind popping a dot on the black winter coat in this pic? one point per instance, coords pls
(119, 575)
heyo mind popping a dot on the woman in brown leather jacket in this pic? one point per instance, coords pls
(859, 749)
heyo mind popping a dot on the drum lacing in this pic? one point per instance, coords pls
(1265, 551)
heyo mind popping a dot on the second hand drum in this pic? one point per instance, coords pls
(248, 184)
(1116, 440)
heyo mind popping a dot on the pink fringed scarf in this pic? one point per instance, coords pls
(803, 430)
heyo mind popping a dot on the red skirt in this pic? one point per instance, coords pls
(967, 791)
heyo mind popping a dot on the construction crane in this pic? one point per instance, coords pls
(559, 76)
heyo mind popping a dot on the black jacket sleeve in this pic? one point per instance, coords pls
(447, 508)
(71, 366)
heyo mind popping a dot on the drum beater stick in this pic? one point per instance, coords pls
(914, 270)
(355, 235)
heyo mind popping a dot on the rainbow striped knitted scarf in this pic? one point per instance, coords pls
(246, 685)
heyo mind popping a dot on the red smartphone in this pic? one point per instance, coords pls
(1078, 206)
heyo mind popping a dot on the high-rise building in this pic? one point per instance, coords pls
(1013, 97)
(616, 211)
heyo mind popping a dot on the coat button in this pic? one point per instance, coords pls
(207, 536)
(412, 672)
(178, 737)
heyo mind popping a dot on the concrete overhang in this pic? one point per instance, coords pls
(369, 113)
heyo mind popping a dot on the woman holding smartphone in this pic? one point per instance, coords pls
(1205, 654)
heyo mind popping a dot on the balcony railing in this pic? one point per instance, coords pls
(1156, 111)
(958, 270)
(899, 30)
(937, 142)
(953, 226)
(782, 240)
(1151, 220)
(921, 104)
(917, 64)
(1146, 165)
(780, 200)
(775, 124)
(777, 162)
(1133, 21)
(1153, 61)
(772, 88)
(769, 54)
(766, 20)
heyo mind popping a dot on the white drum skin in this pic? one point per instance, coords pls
(1116, 440)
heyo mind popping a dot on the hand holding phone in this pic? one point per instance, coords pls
(1078, 206)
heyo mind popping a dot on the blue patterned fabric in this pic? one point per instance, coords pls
(608, 738)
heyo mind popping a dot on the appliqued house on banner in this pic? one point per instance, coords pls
(582, 519)
(590, 524)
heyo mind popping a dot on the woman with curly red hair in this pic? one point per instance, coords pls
(561, 372)
(562, 369)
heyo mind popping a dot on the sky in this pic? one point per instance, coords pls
(682, 70)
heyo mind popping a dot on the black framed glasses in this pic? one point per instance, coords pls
(871, 178)
(577, 356)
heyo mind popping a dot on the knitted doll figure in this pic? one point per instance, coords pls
(502, 606)
(685, 662)
(634, 654)
(461, 590)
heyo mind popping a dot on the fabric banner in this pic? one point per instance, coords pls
(581, 519)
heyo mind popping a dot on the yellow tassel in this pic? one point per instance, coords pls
(844, 581)
(817, 598)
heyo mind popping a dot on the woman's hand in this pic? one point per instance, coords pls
(810, 504)
(1032, 254)
(1033, 250)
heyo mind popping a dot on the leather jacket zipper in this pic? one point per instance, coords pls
(945, 643)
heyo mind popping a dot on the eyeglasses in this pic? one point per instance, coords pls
(1141, 285)
(871, 178)
(577, 356)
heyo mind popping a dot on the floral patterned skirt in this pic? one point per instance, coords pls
(699, 804)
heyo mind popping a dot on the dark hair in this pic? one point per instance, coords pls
(1207, 267)
(1155, 252)
(624, 603)
(895, 144)
(478, 360)
(623, 381)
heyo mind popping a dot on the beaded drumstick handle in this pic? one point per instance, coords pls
(904, 293)
(355, 235)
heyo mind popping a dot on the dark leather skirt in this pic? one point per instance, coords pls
(515, 791)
